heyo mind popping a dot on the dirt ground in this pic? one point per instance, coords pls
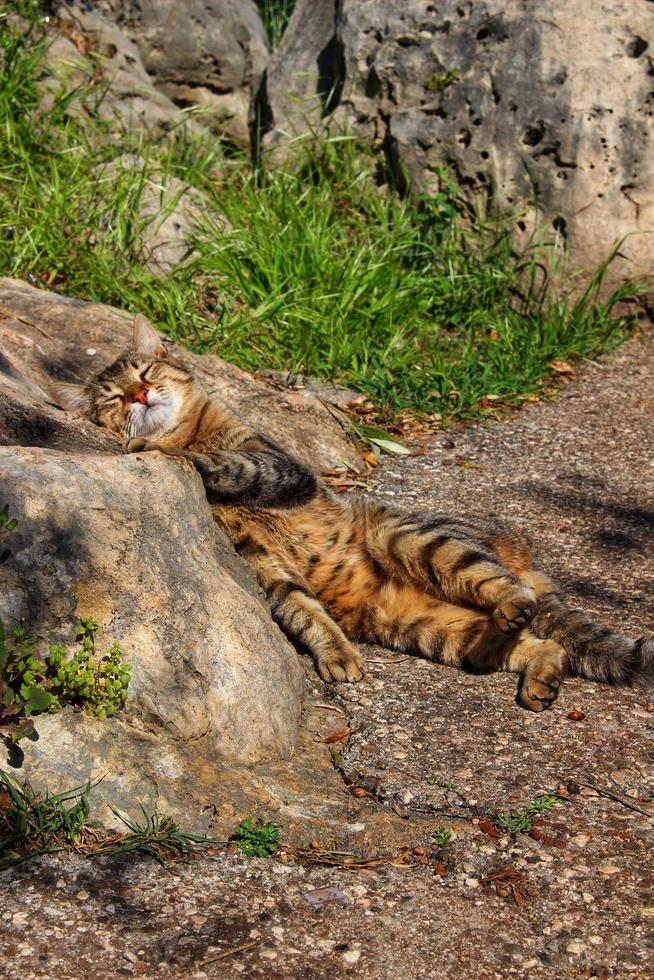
(434, 748)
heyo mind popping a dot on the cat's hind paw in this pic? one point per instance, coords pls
(516, 610)
(341, 665)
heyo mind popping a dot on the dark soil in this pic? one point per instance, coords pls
(435, 748)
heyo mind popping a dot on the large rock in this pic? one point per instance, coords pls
(100, 70)
(204, 53)
(540, 109)
(130, 542)
(211, 730)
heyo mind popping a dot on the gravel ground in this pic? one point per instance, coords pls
(432, 748)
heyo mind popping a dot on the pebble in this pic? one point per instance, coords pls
(267, 954)
(609, 869)
(82, 896)
(576, 947)
(352, 956)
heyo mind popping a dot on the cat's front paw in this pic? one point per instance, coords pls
(341, 665)
(515, 610)
(138, 445)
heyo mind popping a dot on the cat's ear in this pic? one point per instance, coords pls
(146, 340)
(77, 399)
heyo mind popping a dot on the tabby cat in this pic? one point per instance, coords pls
(454, 589)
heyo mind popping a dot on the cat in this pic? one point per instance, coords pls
(457, 590)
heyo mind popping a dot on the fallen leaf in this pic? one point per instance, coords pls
(336, 737)
(489, 828)
(561, 367)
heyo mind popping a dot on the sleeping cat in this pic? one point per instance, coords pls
(457, 590)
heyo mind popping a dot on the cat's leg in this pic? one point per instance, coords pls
(303, 619)
(444, 557)
(467, 638)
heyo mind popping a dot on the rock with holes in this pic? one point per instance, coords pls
(99, 69)
(545, 110)
(204, 53)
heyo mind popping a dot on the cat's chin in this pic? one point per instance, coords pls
(150, 420)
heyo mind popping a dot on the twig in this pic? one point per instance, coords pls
(228, 952)
(614, 796)
(385, 663)
(329, 707)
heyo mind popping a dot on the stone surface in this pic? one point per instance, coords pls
(130, 542)
(89, 50)
(544, 111)
(205, 53)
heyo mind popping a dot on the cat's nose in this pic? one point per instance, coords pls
(141, 396)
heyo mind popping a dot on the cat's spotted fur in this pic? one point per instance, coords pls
(457, 590)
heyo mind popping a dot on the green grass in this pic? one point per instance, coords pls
(275, 15)
(419, 305)
(34, 823)
(521, 821)
(256, 838)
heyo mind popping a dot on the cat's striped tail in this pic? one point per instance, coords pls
(595, 652)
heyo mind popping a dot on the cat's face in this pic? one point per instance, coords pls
(143, 393)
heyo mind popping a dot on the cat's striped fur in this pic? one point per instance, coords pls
(457, 590)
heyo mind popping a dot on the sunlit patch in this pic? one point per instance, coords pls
(155, 418)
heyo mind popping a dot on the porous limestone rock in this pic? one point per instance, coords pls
(204, 53)
(542, 109)
(130, 542)
(100, 70)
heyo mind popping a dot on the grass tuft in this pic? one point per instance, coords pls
(34, 823)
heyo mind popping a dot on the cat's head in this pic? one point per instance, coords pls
(143, 393)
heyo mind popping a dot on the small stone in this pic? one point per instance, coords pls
(576, 715)
(609, 869)
(267, 954)
(595, 940)
(352, 956)
(82, 896)
(576, 947)
(580, 840)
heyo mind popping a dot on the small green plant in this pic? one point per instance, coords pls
(99, 686)
(156, 835)
(440, 781)
(441, 836)
(436, 83)
(521, 821)
(256, 839)
(7, 523)
(649, 798)
(34, 823)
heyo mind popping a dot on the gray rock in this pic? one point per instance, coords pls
(115, 87)
(541, 110)
(130, 541)
(205, 53)
(169, 212)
